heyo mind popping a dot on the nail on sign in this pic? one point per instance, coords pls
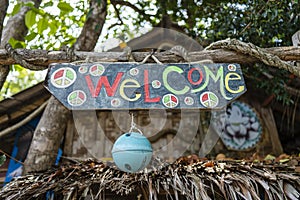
(145, 86)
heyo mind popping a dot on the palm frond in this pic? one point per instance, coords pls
(200, 179)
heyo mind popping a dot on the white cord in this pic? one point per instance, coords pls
(145, 59)
(153, 57)
(156, 60)
(134, 127)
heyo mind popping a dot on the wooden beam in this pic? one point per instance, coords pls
(43, 58)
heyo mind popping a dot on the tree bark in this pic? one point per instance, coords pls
(3, 8)
(92, 27)
(3, 69)
(15, 28)
(42, 58)
(47, 137)
(50, 131)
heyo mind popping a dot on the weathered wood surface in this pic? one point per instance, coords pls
(43, 58)
(145, 86)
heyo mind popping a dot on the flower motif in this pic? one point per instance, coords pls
(239, 128)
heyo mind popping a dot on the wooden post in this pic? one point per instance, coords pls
(270, 125)
(69, 135)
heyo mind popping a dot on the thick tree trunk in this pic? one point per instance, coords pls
(3, 8)
(51, 128)
(15, 28)
(47, 137)
(3, 69)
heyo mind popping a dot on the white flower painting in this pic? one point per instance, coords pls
(240, 127)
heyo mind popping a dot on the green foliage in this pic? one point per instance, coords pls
(30, 18)
(53, 24)
(42, 25)
(65, 7)
(274, 86)
(16, 43)
(16, 9)
(256, 21)
(18, 80)
(259, 22)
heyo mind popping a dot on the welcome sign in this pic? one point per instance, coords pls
(145, 86)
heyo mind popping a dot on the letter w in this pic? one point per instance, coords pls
(110, 90)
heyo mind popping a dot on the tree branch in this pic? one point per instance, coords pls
(132, 6)
(250, 23)
(92, 27)
(4, 70)
(42, 58)
(118, 15)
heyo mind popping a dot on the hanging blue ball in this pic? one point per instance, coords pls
(132, 152)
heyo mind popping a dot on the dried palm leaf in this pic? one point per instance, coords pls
(200, 179)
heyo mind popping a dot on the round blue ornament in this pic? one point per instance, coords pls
(132, 152)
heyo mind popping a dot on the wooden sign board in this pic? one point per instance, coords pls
(145, 86)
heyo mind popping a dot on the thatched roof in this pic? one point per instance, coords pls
(15, 109)
(187, 178)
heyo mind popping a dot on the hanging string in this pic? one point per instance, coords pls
(11, 157)
(153, 57)
(133, 126)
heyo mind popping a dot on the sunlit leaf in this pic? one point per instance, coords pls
(29, 4)
(16, 9)
(65, 7)
(20, 45)
(30, 18)
(48, 4)
(42, 25)
(16, 43)
(53, 27)
(30, 36)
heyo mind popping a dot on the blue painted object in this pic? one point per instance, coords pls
(132, 152)
(15, 168)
